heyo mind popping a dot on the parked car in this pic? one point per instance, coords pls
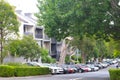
(118, 65)
(103, 64)
(79, 68)
(53, 68)
(93, 67)
(72, 68)
(84, 68)
(98, 65)
(65, 68)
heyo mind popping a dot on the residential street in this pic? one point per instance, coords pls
(102, 74)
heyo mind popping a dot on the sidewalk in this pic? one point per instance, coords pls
(97, 79)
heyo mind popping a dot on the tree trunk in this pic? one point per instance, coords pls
(83, 58)
(1, 46)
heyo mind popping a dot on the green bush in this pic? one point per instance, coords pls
(44, 71)
(14, 64)
(9, 71)
(6, 71)
(30, 71)
(114, 74)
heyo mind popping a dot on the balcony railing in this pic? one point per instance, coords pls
(28, 33)
(46, 38)
(38, 36)
(53, 40)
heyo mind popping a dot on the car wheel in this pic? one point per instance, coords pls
(80, 71)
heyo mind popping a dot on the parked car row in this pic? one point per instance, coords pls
(74, 68)
(54, 69)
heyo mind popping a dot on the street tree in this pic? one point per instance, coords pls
(102, 49)
(96, 18)
(115, 48)
(86, 46)
(91, 18)
(8, 25)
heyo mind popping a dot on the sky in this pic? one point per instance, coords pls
(27, 5)
(24, 5)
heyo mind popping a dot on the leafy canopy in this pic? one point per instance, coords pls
(98, 18)
(27, 47)
(9, 26)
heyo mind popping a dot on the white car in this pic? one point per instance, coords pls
(118, 65)
(93, 67)
(54, 69)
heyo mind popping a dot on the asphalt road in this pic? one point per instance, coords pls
(102, 74)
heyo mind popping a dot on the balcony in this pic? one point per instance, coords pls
(38, 36)
(28, 33)
(46, 38)
(53, 40)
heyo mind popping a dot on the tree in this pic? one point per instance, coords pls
(80, 17)
(116, 45)
(86, 46)
(45, 57)
(13, 47)
(27, 48)
(8, 25)
(102, 49)
(115, 27)
(91, 18)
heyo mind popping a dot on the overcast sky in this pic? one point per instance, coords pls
(25, 5)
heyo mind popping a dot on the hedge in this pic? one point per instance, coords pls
(6, 71)
(114, 74)
(9, 71)
(30, 71)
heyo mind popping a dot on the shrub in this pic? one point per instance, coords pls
(114, 74)
(6, 71)
(30, 71)
(14, 64)
(9, 71)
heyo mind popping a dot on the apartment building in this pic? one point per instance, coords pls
(28, 26)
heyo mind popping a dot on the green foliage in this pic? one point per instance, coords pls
(30, 71)
(6, 71)
(67, 59)
(86, 45)
(29, 48)
(26, 47)
(8, 19)
(114, 74)
(14, 64)
(9, 26)
(15, 70)
(102, 49)
(116, 48)
(45, 57)
(116, 53)
(13, 47)
(80, 17)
